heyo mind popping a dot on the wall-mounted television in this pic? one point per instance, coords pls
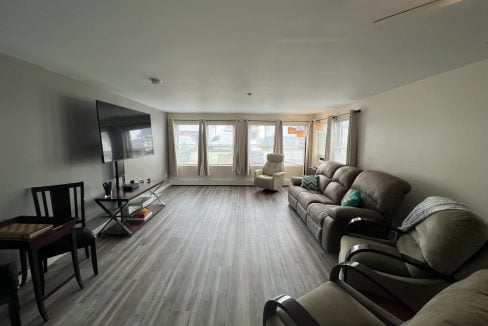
(124, 133)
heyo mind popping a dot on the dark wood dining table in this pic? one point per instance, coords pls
(61, 227)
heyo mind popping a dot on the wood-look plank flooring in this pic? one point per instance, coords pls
(213, 256)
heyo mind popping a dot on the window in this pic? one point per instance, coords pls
(320, 137)
(187, 143)
(294, 144)
(339, 136)
(261, 140)
(220, 144)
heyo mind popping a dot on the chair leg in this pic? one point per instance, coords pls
(41, 262)
(23, 266)
(94, 261)
(13, 310)
(87, 252)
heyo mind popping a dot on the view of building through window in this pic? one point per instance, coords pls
(187, 144)
(339, 139)
(261, 140)
(220, 144)
(294, 144)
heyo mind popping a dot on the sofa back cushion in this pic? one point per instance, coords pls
(325, 171)
(380, 191)
(462, 303)
(449, 238)
(341, 181)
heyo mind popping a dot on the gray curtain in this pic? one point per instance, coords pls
(241, 165)
(308, 147)
(173, 166)
(278, 138)
(330, 121)
(203, 169)
(352, 138)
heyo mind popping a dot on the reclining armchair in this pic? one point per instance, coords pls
(271, 175)
(337, 303)
(445, 247)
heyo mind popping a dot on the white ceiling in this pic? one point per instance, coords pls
(295, 56)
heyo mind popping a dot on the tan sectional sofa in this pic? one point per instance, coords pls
(321, 210)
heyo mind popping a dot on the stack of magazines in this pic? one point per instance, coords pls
(141, 215)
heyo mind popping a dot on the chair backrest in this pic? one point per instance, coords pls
(274, 164)
(380, 191)
(448, 240)
(64, 200)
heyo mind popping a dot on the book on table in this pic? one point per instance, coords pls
(141, 215)
(24, 230)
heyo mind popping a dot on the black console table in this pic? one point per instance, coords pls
(116, 207)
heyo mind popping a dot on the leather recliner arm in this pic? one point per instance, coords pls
(372, 229)
(258, 172)
(395, 254)
(302, 317)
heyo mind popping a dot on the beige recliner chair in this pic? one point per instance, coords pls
(337, 303)
(446, 247)
(271, 175)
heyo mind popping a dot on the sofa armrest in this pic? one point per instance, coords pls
(278, 174)
(377, 229)
(258, 172)
(296, 181)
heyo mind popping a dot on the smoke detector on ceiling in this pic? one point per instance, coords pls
(155, 81)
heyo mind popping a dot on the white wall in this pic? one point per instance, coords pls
(433, 133)
(49, 135)
(222, 175)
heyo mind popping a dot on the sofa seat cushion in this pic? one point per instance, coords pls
(463, 303)
(331, 305)
(317, 213)
(312, 196)
(372, 260)
(294, 191)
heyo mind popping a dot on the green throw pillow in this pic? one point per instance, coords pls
(352, 199)
(310, 182)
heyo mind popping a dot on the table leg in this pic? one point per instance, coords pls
(74, 257)
(23, 266)
(36, 282)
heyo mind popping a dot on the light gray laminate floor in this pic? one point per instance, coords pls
(211, 257)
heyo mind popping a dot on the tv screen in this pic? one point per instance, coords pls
(124, 133)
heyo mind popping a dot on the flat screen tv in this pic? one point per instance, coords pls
(124, 133)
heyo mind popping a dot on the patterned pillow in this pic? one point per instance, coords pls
(352, 199)
(310, 182)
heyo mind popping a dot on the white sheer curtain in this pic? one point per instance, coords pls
(203, 169)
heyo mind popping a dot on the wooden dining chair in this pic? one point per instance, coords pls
(64, 200)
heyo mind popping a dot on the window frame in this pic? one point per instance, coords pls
(188, 123)
(258, 123)
(301, 124)
(333, 137)
(221, 123)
